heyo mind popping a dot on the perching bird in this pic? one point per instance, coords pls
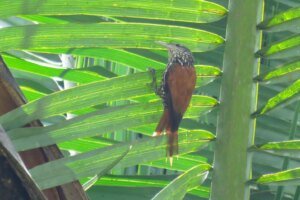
(176, 90)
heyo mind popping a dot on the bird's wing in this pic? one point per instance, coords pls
(181, 83)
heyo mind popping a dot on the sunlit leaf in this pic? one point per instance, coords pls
(31, 94)
(81, 97)
(116, 55)
(97, 123)
(182, 162)
(90, 163)
(286, 21)
(75, 75)
(112, 35)
(286, 48)
(288, 177)
(87, 185)
(175, 10)
(146, 181)
(286, 148)
(286, 72)
(288, 95)
(186, 181)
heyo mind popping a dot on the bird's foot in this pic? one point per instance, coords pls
(155, 134)
(158, 133)
(153, 84)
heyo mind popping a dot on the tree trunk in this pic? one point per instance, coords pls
(235, 127)
(11, 98)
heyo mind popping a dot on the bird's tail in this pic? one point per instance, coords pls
(172, 132)
(172, 146)
(170, 123)
(163, 122)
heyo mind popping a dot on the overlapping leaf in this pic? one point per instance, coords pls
(76, 75)
(112, 35)
(90, 163)
(286, 48)
(116, 55)
(81, 97)
(288, 177)
(288, 95)
(284, 73)
(100, 122)
(88, 75)
(186, 181)
(286, 21)
(286, 148)
(183, 162)
(290, 3)
(146, 181)
(104, 171)
(175, 10)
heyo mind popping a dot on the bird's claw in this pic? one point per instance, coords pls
(153, 84)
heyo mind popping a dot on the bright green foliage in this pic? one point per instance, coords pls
(103, 123)
(287, 20)
(96, 123)
(116, 55)
(287, 145)
(289, 94)
(92, 162)
(286, 48)
(183, 162)
(186, 181)
(289, 177)
(76, 75)
(141, 182)
(286, 148)
(191, 11)
(87, 185)
(104, 35)
(81, 97)
(286, 72)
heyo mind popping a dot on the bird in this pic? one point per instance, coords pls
(176, 89)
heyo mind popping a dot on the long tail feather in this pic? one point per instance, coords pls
(169, 122)
(172, 132)
(173, 144)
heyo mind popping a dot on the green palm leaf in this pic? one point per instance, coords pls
(288, 177)
(104, 35)
(90, 163)
(287, 20)
(179, 186)
(191, 11)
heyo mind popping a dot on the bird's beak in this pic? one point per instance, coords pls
(167, 45)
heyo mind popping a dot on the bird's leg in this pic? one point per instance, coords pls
(155, 88)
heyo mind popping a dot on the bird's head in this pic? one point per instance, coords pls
(178, 53)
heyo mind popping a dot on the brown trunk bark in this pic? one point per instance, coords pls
(10, 98)
(15, 181)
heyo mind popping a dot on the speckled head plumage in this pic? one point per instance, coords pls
(179, 54)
